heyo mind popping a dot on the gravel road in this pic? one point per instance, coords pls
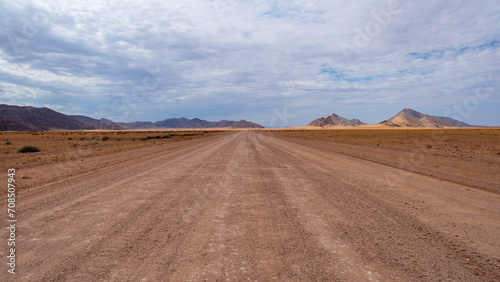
(248, 206)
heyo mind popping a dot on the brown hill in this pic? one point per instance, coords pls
(246, 124)
(335, 120)
(412, 118)
(104, 124)
(15, 118)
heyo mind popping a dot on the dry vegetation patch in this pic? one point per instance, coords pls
(468, 156)
(55, 146)
(451, 142)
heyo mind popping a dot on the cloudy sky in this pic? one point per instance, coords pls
(277, 63)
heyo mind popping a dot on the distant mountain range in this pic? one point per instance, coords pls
(188, 123)
(405, 118)
(16, 118)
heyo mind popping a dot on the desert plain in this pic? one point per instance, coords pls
(231, 205)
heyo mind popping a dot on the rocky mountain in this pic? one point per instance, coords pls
(102, 123)
(412, 118)
(246, 124)
(335, 120)
(15, 118)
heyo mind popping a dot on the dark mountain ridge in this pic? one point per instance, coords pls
(18, 118)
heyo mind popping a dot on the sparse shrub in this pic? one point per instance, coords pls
(105, 138)
(8, 143)
(83, 138)
(144, 139)
(154, 137)
(429, 146)
(28, 149)
(166, 136)
(69, 138)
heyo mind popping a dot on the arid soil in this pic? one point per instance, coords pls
(469, 156)
(60, 146)
(252, 206)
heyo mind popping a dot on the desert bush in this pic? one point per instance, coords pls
(105, 138)
(153, 137)
(28, 149)
(8, 143)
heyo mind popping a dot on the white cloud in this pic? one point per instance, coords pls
(213, 58)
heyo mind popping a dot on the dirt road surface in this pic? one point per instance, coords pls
(247, 206)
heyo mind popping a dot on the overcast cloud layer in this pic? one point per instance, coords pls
(277, 63)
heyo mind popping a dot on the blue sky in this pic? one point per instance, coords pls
(277, 63)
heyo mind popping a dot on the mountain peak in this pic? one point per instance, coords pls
(335, 120)
(246, 124)
(412, 118)
(411, 113)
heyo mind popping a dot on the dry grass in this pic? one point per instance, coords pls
(457, 142)
(58, 146)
